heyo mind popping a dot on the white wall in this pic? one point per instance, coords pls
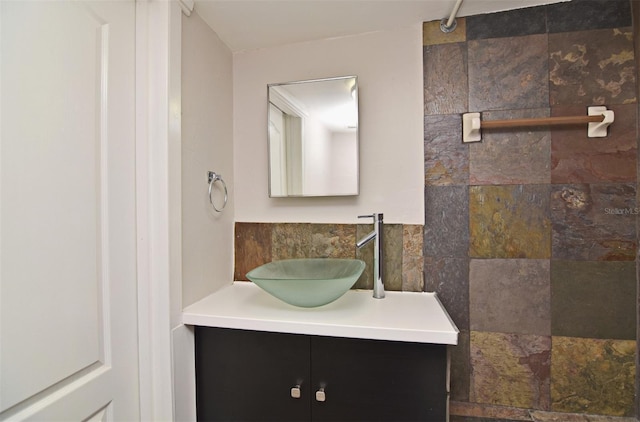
(389, 69)
(207, 144)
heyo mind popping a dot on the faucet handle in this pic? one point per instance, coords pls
(375, 216)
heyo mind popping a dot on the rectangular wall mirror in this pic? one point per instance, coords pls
(313, 138)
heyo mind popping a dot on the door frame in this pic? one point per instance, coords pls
(158, 196)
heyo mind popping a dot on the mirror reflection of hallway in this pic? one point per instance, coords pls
(313, 138)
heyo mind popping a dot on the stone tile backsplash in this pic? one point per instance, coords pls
(252, 247)
(259, 243)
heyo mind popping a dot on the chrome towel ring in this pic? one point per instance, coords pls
(214, 177)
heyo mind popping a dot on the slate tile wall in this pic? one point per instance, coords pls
(530, 237)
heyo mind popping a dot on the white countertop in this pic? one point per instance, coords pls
(400, 316)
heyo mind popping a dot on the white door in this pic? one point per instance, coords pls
(68, 318)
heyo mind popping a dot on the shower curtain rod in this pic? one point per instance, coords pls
(598, 118)
(454, 12)
(449, 25)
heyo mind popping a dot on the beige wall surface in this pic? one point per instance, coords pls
(207, 145)
(389, 69)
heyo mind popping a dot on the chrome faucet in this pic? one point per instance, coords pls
(376, 234)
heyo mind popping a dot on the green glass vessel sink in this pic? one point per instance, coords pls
(307, 282)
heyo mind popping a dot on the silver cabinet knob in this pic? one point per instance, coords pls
(295, 392)
(320, 395)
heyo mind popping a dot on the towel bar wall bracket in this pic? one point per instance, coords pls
(598, 119)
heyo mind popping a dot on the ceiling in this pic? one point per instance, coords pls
(253, 24)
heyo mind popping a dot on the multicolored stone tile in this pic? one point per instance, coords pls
(592, 67)
(510, 369)
(393, 254)
(470, 419)
(252, 248)
(593, 299)
(412, 258)
(445, 79)
(509, 221)
(507, 24)
(560, 219)
(392, 266)
(366, 254)
(290, 240)
(594, 222)
(510, 296)
(446, 158)
(432, 34)
(460, 368)
(514, 156)
(332, 241)
(449, 278)
(544, 416)
(482, 412)
(582, 15)
(488, 413)
(508, 73)
(576, 158)
(454, 418)
(446, 229)
(593, 376)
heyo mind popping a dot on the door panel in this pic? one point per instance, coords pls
(67, 211)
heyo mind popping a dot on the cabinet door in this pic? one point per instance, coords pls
(370, 380)
(248, 375)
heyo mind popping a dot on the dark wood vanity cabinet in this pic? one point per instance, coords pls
(249, 376)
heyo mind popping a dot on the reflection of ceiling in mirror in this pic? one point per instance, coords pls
(330, 101)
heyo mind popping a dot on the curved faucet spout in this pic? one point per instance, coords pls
(378, 256)
(368, 238)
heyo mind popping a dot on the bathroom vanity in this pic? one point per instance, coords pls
(357, 358)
